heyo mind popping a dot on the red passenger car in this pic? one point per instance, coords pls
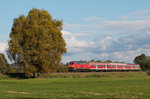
(93, 66)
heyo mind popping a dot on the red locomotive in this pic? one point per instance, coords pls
(94, 66)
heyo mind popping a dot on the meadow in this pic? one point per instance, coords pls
(93, 85)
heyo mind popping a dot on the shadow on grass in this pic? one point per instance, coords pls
(84, 98)
(16, 75)
(30, 98)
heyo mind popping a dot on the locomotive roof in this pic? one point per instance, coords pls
(80, 62)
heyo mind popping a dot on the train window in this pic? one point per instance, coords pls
(93, 65)
(71, 63)
(100, 65)
(113, 66)
(134, 66)
(85, 63)
(79, 62)
(108, 65)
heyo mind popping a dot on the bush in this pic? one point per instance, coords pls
(148, 72)
(63, 69)
(4, 66)
(12, 70)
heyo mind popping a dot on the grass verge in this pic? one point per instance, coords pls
(78, 86)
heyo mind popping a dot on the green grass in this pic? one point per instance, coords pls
(78, 86)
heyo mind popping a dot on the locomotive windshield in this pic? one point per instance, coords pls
(71, 63)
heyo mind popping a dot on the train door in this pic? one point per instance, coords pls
(106, 67)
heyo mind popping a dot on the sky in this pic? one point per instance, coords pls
(117, 30)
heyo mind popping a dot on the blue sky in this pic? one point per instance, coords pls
(117, 30)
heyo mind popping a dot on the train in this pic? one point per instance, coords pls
(79, 66)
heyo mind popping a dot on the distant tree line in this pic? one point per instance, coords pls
(106, 61)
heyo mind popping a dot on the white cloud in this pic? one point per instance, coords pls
(104, 43)
(124, 26)
(73, 44)
(129, 56)
(66, 33)
(80, 34)
(140, 14)
(71, 40)
(118, 40)
(3, 47)
(104, 55)
(123, 49)
(73, 26)
(148, 32)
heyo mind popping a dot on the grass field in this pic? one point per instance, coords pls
(77, 86)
